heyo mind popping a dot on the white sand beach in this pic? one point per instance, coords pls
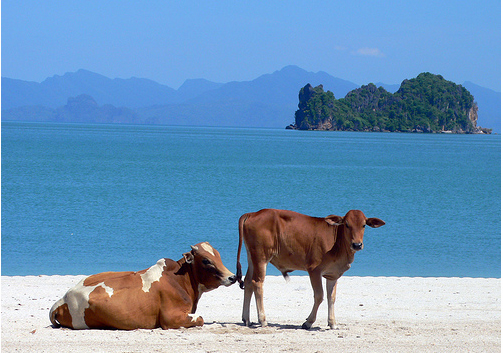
(373, 314)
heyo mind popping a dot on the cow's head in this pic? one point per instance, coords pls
(208, 268)
(354, 223)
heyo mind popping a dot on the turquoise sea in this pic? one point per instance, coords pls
(82, 199)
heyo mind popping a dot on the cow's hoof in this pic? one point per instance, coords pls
(247, 323)
(306, 325)
(263, 324)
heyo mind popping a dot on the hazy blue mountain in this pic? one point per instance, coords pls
(19, 93)
(80, 109)
(55, 91)
(84, 109)
(194, 87)
(279, 87)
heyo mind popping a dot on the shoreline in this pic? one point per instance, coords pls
(291, 274)
(373, 314)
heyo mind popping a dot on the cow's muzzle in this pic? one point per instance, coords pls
(230, 280)
(357, 246)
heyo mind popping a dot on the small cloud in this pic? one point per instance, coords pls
(370, 52)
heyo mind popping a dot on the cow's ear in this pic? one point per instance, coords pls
(189, 257)
(375, 222)
(333, 220)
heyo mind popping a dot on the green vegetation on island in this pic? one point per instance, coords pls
(427, 103)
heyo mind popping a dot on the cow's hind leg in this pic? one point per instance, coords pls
(258, 289)
(247, 295)
(317, 285)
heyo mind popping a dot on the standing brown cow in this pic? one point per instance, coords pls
(324, 247)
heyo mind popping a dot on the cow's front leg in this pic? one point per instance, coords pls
(331, 289)
(181, 320)
(195, 320)
(317, 285)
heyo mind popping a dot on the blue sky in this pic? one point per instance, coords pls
(222, 41)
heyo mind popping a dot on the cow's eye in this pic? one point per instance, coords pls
(364, 226)
(206, 262)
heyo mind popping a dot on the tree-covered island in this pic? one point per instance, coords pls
(427, 103)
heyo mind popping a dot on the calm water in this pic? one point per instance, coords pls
(81, 199)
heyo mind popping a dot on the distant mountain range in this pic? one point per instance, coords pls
(267, 101)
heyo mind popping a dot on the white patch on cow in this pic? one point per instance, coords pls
(153, 274)
(77, 299)
(109, 290)
(208, 248)
(193, 317)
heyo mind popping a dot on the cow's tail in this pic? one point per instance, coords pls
(239, 273)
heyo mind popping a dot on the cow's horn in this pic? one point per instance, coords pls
(194, 247)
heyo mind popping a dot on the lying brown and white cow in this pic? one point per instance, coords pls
(324, 247)
(164, 295)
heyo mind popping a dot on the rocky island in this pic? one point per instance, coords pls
(427, 103)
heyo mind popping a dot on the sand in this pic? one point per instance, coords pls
(373, 314)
